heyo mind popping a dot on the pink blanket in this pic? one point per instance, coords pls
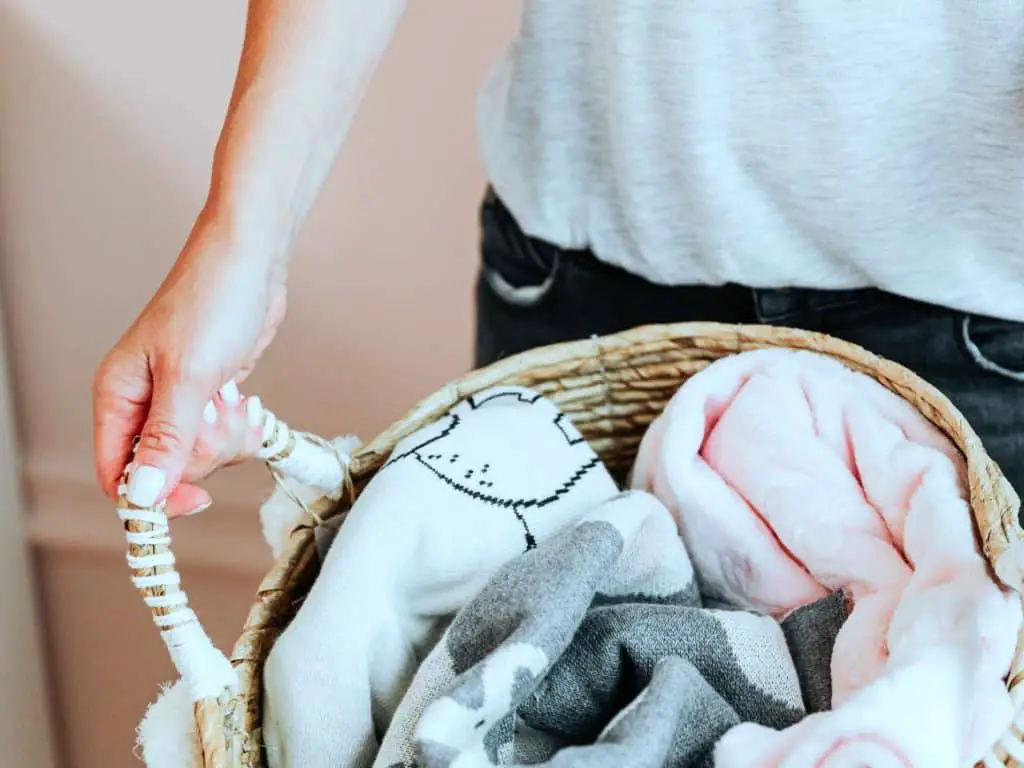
(791, 476)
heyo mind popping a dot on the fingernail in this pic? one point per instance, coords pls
(254, 411)
(145, 485)
(210, 413)
(229, 393)
(201, 508)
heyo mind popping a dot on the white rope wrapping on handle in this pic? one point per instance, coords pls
(276, 436)
(307, 459)
(205, 671)
(311, 473)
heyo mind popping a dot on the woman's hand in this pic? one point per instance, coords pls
(199, 336)
(303, 69)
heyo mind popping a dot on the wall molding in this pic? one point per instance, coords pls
(76, 469)
(67, 513)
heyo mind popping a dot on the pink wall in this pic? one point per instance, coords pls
(108, 114)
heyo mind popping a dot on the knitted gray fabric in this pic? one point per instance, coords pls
(811, 634)
(595, 646)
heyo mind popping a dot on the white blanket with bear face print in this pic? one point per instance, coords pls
(457, 500)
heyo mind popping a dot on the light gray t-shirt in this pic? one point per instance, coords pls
(795, 143)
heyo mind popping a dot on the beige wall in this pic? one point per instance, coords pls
(108, 113)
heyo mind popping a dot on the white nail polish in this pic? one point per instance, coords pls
(254, 411)
(201, 508)
(145, 485)
(210, 413)
(229, 393)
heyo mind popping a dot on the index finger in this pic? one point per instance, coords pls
(119, 406)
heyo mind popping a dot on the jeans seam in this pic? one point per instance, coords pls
(975, 353)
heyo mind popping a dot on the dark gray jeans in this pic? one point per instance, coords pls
(531, 293)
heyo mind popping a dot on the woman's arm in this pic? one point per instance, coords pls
(304, 67)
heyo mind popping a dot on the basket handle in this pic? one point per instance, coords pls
(205, 670)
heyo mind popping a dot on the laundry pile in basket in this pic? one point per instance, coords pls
(792, 579)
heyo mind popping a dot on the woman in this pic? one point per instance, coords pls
(851, 168)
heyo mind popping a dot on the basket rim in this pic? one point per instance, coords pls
(994, 503)
(997, 520)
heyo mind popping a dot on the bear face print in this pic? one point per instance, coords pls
(508, 447)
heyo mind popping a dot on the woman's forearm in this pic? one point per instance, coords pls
(304, 67)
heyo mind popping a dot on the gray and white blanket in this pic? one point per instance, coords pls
(594, 650)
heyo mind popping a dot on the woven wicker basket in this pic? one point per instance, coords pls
(612, 388)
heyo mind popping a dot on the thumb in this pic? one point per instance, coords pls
(167, 438)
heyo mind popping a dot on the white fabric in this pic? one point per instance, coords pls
(167, 735)
(205, 670)
(312, 473)
(797, 144)
(433, 678)
(454, 503)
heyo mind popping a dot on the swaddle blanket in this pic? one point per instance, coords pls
(791, 476)
(499, 473)
(604, 617)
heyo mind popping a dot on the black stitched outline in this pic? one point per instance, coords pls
(474, 404)
(517, 504)
(497, 501)
(519, 395)
(514, 504)
(416, 448)
(569, 439)
(531, 540)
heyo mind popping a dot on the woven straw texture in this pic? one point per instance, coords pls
(612, 388)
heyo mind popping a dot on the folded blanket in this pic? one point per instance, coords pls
(916, 719)
(790, 477)
(604, 615)
(457, 500)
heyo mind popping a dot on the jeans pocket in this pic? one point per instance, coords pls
(518, 270)
(524, 296)
(995, 346)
